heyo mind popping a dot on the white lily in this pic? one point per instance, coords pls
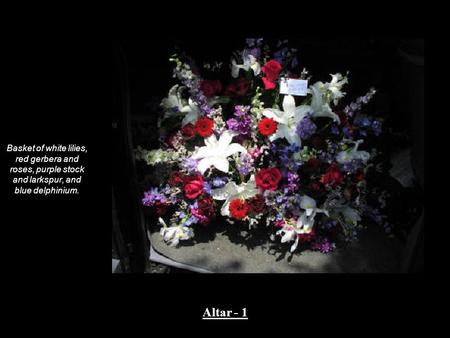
(335, 87)
(249, 63)
(289, 233)
(306, 221)
(347, 156)
(173, 235)
(287, 120)
(319, 107)
(174, 105)
(304, 225)
(215, 152)
(232, 191)
(350, 214)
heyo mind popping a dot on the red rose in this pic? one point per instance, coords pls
(359, 176)
(271, 70)
(193, 186)
(176, 179)
(188, 131)
(205, 210)
(238, 208)
(257, 204)
(239, 88)
(333, 176)
(268, 179)
(206, 206)
(267, 126)
(204, 127)
(268, 85)
(210, 88)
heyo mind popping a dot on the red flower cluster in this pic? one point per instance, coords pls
(333, 176)
(205, 210)
(211, 88)
(176, 179)
(173, 139)
(267, 126)
(268, 179)
(239, 88)
(188, 131)
(359, 176)
(204, 127)
(257, 204)
(239, 208)
(193, 186)
(271, 70)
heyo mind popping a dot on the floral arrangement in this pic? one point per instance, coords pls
(239, 150)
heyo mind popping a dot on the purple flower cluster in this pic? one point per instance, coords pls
(190, 220)
(323, 245)
(377, 127)
(293, 182)
(198, 97)
(369, 123)
(285, 155)
(245, 164)
(219, 182)
(286, 55)
(306, 128)
(207, 187)
(356, 106)
(190, 165)
(352, 166)
(242, 121)
(254, 47)
(152, 196)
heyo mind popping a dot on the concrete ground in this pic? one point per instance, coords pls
(223, 249)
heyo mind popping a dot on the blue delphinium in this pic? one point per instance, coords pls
(306, 128)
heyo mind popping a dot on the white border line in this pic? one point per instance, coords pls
(225, 318)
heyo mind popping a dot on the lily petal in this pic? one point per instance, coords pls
(235, 148)
(289, 104)
(205, 163)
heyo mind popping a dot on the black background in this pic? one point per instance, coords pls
(57, 91)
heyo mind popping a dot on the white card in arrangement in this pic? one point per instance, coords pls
(293, 87)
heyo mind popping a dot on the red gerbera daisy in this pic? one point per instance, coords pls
(204, 127)
(267, 126)
(238, 208)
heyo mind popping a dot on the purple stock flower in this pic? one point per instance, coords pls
(242, 120)
(245, 164)
(306, 128)
(152, 196)
(190, 164)
(293, 180)
(207, 187)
